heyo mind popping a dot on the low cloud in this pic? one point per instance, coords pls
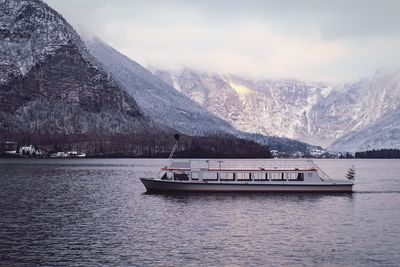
(332, 41)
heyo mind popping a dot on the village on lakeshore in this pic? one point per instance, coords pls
(13, 149)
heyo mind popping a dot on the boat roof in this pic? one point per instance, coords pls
(272, 165)
(180, 165)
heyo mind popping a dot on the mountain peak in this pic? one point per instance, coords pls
(316, 113)
(50, 83)
(30, 31)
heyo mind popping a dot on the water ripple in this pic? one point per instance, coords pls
(95, 213)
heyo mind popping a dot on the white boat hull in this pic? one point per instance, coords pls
(155, 185)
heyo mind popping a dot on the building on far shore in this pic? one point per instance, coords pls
(27, 150)
(9, 147)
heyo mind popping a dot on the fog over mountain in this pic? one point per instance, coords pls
(49, 83)
(334, 116)
(329, 41)
(167, 106)
(157, 99)
(56, 92)
(54, 83)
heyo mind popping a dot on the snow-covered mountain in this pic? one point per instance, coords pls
(383, 133)
(282, 108)
(311, 112)
(165, 105)
(49, 83)
(357, 107)
(157, 99)
(30, 33)
(53, 90)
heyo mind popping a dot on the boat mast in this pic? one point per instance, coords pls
(169, 160)
(176, 137)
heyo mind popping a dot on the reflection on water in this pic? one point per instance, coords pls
(95, 212)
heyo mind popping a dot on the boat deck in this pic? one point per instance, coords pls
(245, 176)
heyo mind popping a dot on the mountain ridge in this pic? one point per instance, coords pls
(315, 113)
(47, 70)
(167, 106)
(53, 92)
(151, 93)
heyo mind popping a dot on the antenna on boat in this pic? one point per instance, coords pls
(176, 137)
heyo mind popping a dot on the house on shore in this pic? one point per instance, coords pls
(9, 147)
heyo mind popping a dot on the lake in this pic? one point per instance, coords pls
(94, 212)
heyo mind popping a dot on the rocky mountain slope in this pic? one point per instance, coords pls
(281, 108)
(165, 105)
(54, 92)
(49, 83)
(366, 110)
(311, 112)
(158, 100)
(383, 133)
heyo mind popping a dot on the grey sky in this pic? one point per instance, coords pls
(334, 41)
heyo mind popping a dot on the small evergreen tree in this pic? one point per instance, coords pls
(351, 173)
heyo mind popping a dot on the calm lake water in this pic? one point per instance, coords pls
(94, 212)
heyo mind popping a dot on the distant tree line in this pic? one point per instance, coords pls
(221, 147)
(346, 156)
(149, 145)
(379, 154)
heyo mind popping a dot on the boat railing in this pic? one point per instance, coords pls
(323, 174)
(252, 164)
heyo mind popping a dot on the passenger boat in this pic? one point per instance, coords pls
(272, 175)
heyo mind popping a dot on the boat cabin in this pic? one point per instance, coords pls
(235, 171)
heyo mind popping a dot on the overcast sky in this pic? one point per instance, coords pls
(331, 41)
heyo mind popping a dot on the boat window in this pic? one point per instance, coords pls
(181, 176)
(309, 174)
(258, 176)
(244, 176)
(226, 176)
(300, 177)
(276, 176)
(221, 175)
(164, 176)
(195, 176)
(291, 176)
(170, 175)
(209, 176)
